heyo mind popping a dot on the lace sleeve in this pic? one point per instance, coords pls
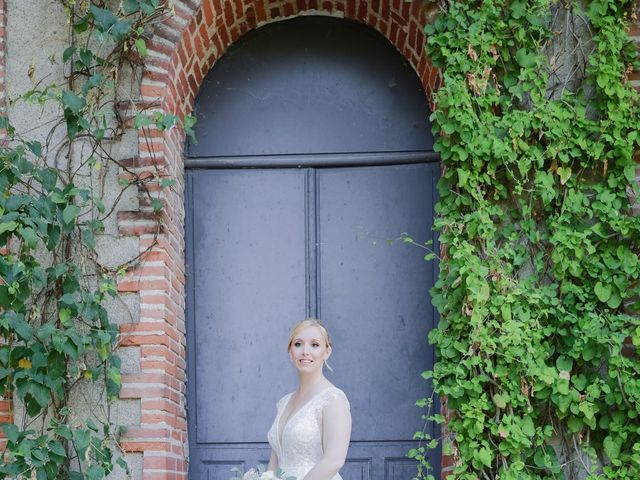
(280, 403)
(335, 395)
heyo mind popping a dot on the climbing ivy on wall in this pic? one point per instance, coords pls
(539, 281)
(55, 335)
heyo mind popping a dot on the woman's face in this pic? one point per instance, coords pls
(309, 350)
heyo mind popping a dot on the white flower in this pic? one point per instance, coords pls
(268, 475)
(251, 474)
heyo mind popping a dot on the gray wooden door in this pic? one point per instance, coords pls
(308, 227)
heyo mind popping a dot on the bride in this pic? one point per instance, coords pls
(310, 435)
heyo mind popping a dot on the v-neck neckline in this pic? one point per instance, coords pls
(293, 414)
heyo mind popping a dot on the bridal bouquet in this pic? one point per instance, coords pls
(259, 473)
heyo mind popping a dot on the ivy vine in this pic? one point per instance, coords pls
(55, 334)
(539, 282)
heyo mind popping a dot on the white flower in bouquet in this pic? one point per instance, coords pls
(279, 474)
(260, 473)
(251, 474)
(268, 475)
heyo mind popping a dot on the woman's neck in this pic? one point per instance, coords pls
(310, 382)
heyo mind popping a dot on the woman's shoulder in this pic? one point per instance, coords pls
(333, 394)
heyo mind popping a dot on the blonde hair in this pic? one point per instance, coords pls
(306, 323)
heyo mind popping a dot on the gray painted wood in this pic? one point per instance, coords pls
(269, 247)
(310, 85)
(249, 252)
(313, 160)
(373, 290)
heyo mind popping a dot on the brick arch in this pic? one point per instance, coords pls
(216, 24)
(181, 51)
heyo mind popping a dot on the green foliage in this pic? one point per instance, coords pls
(55, 333)
(53, 323)
(539, 283)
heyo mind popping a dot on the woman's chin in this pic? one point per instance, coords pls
(306, 367)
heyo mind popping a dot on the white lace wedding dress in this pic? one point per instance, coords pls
(298, 443)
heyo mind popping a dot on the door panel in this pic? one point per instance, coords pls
(248, 238)
(373, 290)
(373, 296)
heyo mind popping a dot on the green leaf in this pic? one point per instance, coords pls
(463, 177)
(30, 237)
(68, 299)
(41, 394)
(141, 46)
(70, 213)
(505, 309)
(564, 363)
(57, 449)
(130, 6)
(602, 291)
(500, 401)
(95, 473)
(114, 382)
(484, 456)
(630, 172)
(64, 315)
(612, 448)
(86, 57)
(72, 101)
(11, 431)
(45, 331)
(518, 9)
(157, 205)
(35, 147)
(81, 439)
(88, 238)
(141, 120)
(575, 424)
(564, 173)
(68, 53)
(105, 19)
(23, 329)
(121, 29)
(526, 59)
(81, 25)
(99, 205)
(122, 463)
(48, 178)
(8, 226)
(562, 386)
(614, 301)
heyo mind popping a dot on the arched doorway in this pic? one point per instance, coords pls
(314, 155)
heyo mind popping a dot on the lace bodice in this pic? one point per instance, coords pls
(300, 445)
